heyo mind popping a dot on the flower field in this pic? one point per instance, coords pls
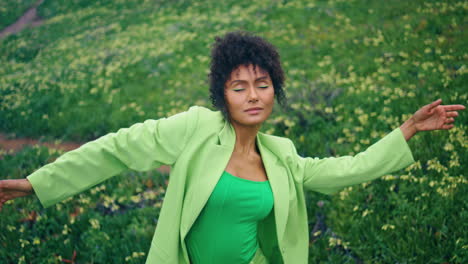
(355, 71)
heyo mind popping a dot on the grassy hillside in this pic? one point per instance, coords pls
(11, 10)
(355, 71)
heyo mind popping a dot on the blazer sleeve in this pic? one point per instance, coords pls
(141, 147)
(329, 175)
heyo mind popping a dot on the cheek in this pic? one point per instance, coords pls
(230, 99)
(271, 95)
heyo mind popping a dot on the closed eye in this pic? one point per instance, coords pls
(263, 86)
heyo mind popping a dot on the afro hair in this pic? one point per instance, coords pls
(242, 48)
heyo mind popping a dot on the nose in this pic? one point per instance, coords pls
(253, 96)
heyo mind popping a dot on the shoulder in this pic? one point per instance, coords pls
(199, 114)
(203, 119)
(205, 113)
(275, 140)
(282, 147)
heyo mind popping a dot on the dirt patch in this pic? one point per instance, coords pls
(14, 145)
(17, 144)
(31, 19)
(28, 19)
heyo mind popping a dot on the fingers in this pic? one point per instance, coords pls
(21, 185)
(434, 104)
(11, 189)
(447, 127)
(452, 114)
(5, 197)
(448, 123)
(449, 120)
(6, 184)
(453, 107)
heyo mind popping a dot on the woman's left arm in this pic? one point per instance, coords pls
(433, 116)
(391, 153)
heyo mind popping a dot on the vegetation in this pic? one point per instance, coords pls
(11, 10)
(355, 71)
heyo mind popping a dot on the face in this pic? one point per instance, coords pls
(249, 95)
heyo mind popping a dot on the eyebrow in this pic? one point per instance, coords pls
(256, 80)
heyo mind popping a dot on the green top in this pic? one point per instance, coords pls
(226, 229)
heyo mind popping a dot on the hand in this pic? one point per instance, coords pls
(11, 189)
(431, 117)
(435, 116)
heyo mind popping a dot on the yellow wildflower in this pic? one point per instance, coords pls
(388, 226)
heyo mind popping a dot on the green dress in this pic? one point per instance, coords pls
(226, 229)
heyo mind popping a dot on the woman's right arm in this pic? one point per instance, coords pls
(11, 189)
(141, 147)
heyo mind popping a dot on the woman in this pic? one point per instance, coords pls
(235, 195)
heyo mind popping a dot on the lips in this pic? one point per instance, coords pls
(254, 109)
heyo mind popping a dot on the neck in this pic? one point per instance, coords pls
(245, 138)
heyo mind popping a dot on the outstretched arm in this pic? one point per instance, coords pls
(141, 147)
(433, 116)
(329, 175)
(389, 154)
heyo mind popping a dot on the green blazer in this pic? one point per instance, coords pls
(197, 144)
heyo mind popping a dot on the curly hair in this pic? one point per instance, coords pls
(242, 48)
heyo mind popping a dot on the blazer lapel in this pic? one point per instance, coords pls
(279, 183)
(220, 154)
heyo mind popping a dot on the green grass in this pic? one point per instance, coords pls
(95, 224)
(355, 71)
(11, 10)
